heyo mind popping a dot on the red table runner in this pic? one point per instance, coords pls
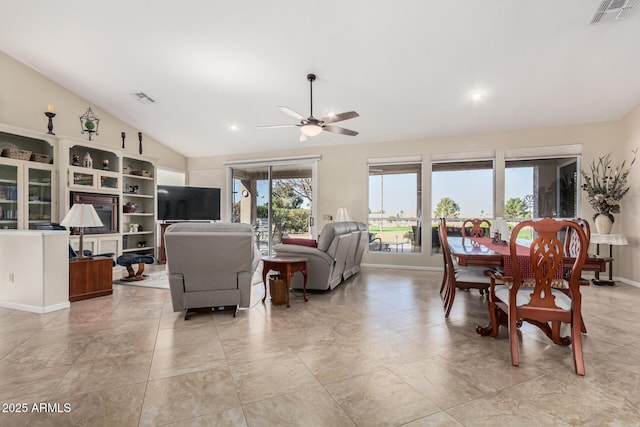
(523, 254)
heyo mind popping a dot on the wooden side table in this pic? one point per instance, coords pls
(285, 266)
(90, 277)
(611, 240)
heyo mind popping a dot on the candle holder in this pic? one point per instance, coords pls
(140, 142)
(50, 125)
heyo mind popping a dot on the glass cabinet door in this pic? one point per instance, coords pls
(9, 197)
(39, 197)
(109, 181)
(83, 179)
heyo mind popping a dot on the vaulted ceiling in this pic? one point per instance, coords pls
(409, 68)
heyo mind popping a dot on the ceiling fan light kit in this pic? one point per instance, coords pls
(312, 126)
(311, 129)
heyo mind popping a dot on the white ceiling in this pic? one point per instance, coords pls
(408, 67)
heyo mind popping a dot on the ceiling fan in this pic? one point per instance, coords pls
(312, 126)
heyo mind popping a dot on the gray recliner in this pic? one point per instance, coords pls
(213, 265)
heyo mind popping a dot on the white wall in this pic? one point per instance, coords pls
(630, 207)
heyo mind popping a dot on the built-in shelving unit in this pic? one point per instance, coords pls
(42, 175)
(138, 205)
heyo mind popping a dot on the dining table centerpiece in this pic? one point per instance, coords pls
(605, 185)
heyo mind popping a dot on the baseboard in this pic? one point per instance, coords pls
(402, 267)
(35, 308)
(628, 282)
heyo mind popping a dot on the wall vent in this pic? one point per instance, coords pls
(143, 97)
(613, 11)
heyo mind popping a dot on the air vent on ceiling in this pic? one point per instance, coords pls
(613, 11)
(144, 98)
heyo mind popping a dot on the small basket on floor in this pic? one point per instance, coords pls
(277, 289)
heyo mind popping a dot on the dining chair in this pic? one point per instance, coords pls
(542, 299)
(457, 276)
(571, 249)
(572, 240)
(475, 226)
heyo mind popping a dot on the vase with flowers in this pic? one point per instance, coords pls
(605, 185)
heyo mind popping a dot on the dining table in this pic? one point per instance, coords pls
(482, 251)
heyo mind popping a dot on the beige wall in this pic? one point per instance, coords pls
(630, 208)
(25, 94)
(342, 173)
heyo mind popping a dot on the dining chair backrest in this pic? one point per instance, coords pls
(546, 254)
(456, 276)
(444, 242)
(572, 240)
(476, 227)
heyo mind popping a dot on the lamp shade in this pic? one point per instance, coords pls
(342, 215)
(82, 215)
(310, 129)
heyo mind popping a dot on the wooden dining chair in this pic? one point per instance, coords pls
(476, 227)
(456, 276)
(571, 249)
(572, 240)
(542, 300)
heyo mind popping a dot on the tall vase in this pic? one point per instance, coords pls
(603, 223)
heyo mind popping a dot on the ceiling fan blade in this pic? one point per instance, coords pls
(290, 112)
(340, 117)
(303, 137)
(276, 126)
(337, 129)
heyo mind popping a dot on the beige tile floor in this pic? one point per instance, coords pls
(376, 351)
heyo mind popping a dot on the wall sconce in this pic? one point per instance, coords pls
(89, 123)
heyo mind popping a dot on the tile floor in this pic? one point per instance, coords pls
(376, 351)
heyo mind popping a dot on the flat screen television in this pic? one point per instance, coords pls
(188, 203)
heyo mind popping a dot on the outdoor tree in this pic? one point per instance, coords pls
(447, 208)
(288, 196)
(516, 208)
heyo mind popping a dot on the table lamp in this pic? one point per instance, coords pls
(342, 215)
(82, 215)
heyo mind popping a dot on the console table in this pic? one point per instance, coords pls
(90, 277)
(611, 240)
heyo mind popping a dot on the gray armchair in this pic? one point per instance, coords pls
(212, 265)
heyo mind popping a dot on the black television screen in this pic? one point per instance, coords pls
(188, 203)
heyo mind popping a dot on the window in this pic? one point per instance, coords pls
(460, 190)
(539, 188)
(395, 200)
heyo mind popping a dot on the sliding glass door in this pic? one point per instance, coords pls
(276, 199)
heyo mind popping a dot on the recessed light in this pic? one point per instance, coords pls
(233, 127)
(477, 96)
